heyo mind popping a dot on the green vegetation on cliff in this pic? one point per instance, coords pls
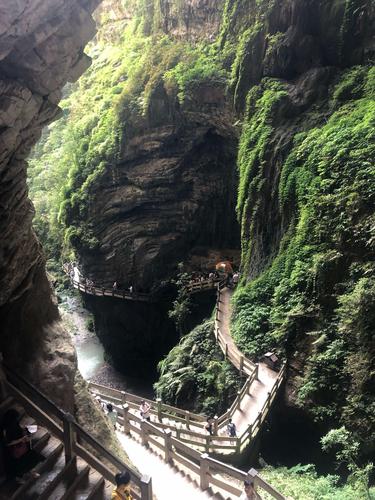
(109, 104)
(319, 289)
(308, 293)
(195, 376)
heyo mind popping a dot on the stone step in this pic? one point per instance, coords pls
(60, 472)
(54, 451)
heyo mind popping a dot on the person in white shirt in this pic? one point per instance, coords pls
(144, 410)
(112, 414)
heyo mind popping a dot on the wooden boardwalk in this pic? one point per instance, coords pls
(83, 285)
(253, 401)
(248, 411)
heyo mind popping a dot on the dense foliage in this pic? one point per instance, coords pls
(303, 483)
(314, 298)
(100, 113)
(195, 376)
(321, 282)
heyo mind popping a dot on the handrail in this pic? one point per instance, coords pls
(202, 465)
(69, 430)
(190, 420)
(191, 287)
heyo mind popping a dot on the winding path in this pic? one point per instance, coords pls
(182, 434)
(252, 402)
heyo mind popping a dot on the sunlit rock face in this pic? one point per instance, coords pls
(41, 48)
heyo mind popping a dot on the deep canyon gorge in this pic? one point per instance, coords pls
(202, 130)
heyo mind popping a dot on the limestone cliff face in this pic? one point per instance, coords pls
(300, 68)
(41, 48)
(172, 188)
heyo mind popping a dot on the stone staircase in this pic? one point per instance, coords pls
(58, 480)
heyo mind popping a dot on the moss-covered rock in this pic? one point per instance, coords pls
(195, 376)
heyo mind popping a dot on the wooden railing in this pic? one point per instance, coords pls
(202, 285)
(189, 427)
(105, 292)
(186, 426)
(204, 469)
(77, 442)
(82, 285)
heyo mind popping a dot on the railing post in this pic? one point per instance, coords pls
(268, 400)
(167, 445)
(216, 418)
(103, 291)
(125, 416)
(238, 402)
(252, 476)
(257, 371)
(204, 469)
(207, 445)
(69, 437)
(250, 431)
(146, 488)
(159, 408)
(238, 445)
(187, 419)
(123, 397)
(144, 434)
(178, 432)
(241, 365)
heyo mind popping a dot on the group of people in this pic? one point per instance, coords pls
(231, 427)
(111, 412)
(115, 287)
(122, 490)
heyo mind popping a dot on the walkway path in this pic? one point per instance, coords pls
(167, 482)
(86, 286)
(253, 402)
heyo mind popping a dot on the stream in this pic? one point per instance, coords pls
(90, 352)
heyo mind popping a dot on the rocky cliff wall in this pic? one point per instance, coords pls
(302, 79)
(41, 48)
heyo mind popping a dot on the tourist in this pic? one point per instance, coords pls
(131, 288)
(114, 286)
(122, 490)
(209, 426)
(144, 410)
(249, 492)
(236, 278)
(231, 429)
(19, 458)
(111, 414)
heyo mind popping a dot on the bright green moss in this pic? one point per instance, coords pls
(195, 376)
(327, 186)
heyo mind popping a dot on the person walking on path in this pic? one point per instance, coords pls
(144, 410)
(249, 492)
(231, 429)
(112, 414)
(209, 426)
(122, 490)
